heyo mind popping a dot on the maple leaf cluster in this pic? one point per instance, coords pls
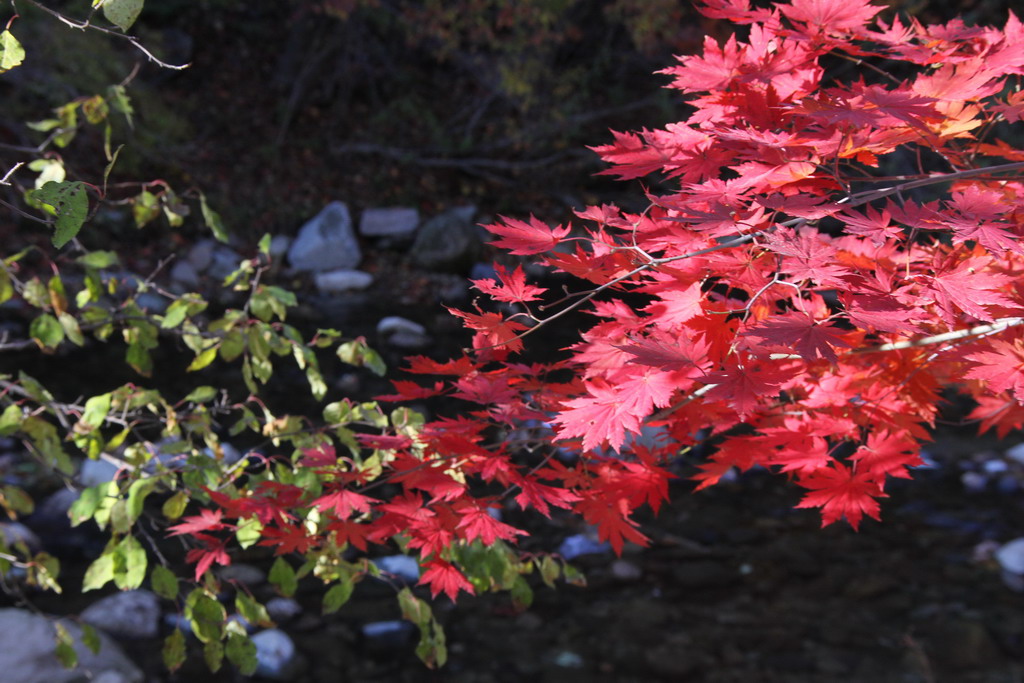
(837, 242)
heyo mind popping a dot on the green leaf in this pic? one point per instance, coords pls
(202, 394)
(145, 208)
(96, 410)
(213, 220)
(137, 492)
(71, 329)
(71, 202)
(10, 419)
(358, 353)
(174, 650)
(338, 595)
(175, 315)
(90, 638)
(521, 593)
(248, 532)
(65, 647)
(117, 96)
(282, 576)
(83, 509)
(241, 652)
(251, 610)
(550, 570)
(203, 359)
(213, 654)
(100, 572)
(164, 582)
(11, 52)
(95, 109)
(122, 13)
(129, 564)
(264, 244)
(6, 287)
(98, 259)
(47, 331)
(15, 498)
(207, 617)
(174, 507)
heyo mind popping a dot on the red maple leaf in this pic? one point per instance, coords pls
(541, 495)
(206, 520)
(476, 522)
(842, 493)
(613, 522)
(351, 532)
(443, 577)
(523, 239)
(344, 501)
(288, 538)
(831, 16)
(744, 386)
(494, 331)
(511, 287)
(1002, 367)
(213, 551)
(811, 339)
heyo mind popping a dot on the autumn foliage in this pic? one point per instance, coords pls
(834, 243)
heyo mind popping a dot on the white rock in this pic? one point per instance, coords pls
(27, 653)
(402, 333)
(342, 280)
(392, 222)
(326, 242)
(131, 614)
(393, 323)
(275, 654)
(1010, 556)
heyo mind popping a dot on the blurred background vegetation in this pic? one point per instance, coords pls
(288, 105)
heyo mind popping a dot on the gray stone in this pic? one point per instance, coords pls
(225, 261)
(402, 566)
(448, 241)
(200, 256)
(279, 245)
(95, 472)
(131, 614)
(1010, 556)
(283, 609)
(391, 222)
(624, 570)
(326, 242)
(582, 544)
(242, 573)
(16, 532)
(27, 653)
(342, 280)
(275, 654)
(1016, 453)
(185, 274)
